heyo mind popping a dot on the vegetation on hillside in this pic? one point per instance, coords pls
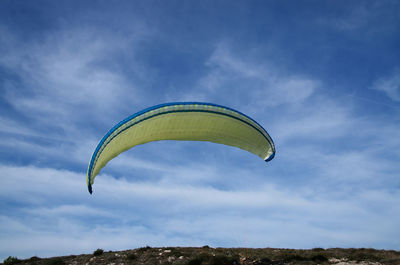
(220, 256)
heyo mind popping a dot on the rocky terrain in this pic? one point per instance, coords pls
(220, 256)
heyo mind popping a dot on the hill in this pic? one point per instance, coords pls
(220, 256)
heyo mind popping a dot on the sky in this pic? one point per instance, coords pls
(322, 77)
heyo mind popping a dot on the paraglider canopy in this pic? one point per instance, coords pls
(185, 121)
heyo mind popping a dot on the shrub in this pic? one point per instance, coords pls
(319, 258)
(11, 260)
(175, 252)
(98, 252)
(222, 260)
(318, 249)
(199, 259)
(288, 257)
(195, 261)
(263, 261)
(55, 261)
(144, 249)
(364, 257)
(131, 256)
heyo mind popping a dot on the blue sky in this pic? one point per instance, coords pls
(322, 77)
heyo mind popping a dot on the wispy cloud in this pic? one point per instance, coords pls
(359, 18)
(70, 71)
(390, 85)
(66, 86)
(234, 76)
(353, 19)
(62, 87)
(182, 213)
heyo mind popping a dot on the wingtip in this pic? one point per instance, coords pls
(90, 188)
(270, 157)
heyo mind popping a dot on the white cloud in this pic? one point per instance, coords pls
(69, 76)
(362, 18)
(290, 90)
(356, 18)
(238, 78)
(319, 119)
(67, 210)
(56, 204)
(67, 83)
(337, 145)
(12, 126)
(39, 148)
(389, 85)
(227, 60)
(338, 190)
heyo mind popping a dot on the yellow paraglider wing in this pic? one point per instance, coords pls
(186, 121)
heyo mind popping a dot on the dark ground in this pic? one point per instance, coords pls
(221, 256)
